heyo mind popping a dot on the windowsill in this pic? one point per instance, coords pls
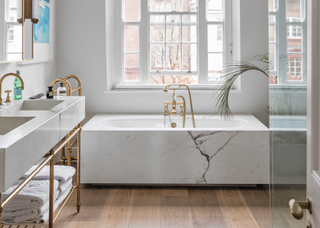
(154, 89)
(287, 86)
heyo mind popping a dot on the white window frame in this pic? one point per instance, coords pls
(292, 29)
(294, 67)
(118, 50)
(9, 30)
(219, 33)
(7, 24)
(165, 71)
(281, 41)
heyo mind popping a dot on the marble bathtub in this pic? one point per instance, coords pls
(143, 149)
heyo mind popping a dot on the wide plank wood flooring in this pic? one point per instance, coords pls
(161, 207)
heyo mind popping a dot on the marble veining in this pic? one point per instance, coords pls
(198, 141)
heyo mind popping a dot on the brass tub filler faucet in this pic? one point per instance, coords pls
(174, 103)
(1, 80)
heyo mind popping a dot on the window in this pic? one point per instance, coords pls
(294, 68)
(13, 31)
(294, 31)
(287, 47)
(219, 33)
(172, 41)
(10, 34)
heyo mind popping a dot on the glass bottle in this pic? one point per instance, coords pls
(61, 91)
(50, 92)
(17, 87)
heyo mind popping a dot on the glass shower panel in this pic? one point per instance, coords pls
(287, 109)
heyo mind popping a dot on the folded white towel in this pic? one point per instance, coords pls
(32, 201)
(36, 192)
(32, 215)
(31, 205)
(64, 186)
(61, 173)
(61, 198)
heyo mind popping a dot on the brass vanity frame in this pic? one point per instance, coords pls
(50, 159)
(70, 145)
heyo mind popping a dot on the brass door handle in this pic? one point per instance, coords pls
(296, 208)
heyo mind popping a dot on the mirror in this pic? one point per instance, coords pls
(27, 40)
(10, 32)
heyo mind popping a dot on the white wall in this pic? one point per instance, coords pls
(36, 77)
(81, 50)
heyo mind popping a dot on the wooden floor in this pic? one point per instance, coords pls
(148, 207)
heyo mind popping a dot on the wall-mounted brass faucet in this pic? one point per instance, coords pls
(5, 76)
(182, 104)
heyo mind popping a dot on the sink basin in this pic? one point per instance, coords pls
(10, 123)
(39, 105)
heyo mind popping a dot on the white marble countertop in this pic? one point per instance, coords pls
(25, 145)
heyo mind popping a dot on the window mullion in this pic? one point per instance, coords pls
(165, 43)
(119, 41)
(202, 43)
(144, 36)
(282, 45)
(181, 56)
(304, 43)
(227, 32)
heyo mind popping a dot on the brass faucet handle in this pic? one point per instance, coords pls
(182, 109)
(165, 108)
(8, 96)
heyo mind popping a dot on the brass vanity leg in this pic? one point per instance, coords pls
(78, 167)
(51, 190)
(63, 154)
(1, 210)
(69, 149)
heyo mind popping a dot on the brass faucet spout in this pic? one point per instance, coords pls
(5, 76)
(191, 107)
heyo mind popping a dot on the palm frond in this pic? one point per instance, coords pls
(229, 76)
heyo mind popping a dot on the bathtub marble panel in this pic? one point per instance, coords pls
(175, 157)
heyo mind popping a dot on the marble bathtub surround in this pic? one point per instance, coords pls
(126, 149)
(43, 124)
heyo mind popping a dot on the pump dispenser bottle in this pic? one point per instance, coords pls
(61, 91)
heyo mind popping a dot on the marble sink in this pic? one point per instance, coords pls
(29, 129)
(45, 105)
(8, 124)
